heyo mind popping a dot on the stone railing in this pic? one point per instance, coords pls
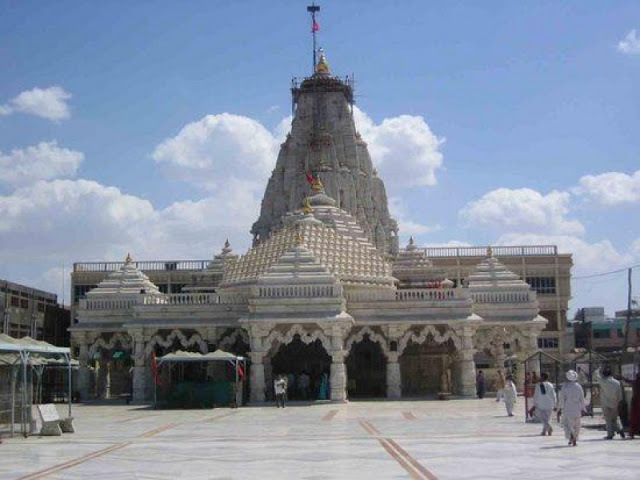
(107, 303)
(428, 294)
(502, 297)
(369, 295)
(498, 251)
(289, 291)
(145, 266)
(190, 299)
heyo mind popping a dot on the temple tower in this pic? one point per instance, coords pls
(324, 142)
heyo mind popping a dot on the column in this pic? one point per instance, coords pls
(256, 377)
(338, 377)
(467, 364)
(84, 374)
(500, 355)
(140, 369)
(103, 379)
(394, 378)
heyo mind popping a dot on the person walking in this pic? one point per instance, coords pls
(499, 386)
(280, 388)
(480, 384)
(510, 394)
(571, 405)
(634, 408)
(610, 398)
(544, 400)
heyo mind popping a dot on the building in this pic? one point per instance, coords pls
(593, 330)
(325, 288)
(27, 311)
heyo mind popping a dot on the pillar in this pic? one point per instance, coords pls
(466, 364)
(141, 371)
(394, 378)
(338, 377)
(256, 377)
(103, 379)
(84, 374)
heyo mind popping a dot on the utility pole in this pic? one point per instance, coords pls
(628, 323)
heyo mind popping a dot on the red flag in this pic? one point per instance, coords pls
(310, 178)
(315, 27)
(240, 372)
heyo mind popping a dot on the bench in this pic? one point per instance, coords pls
(52, 424)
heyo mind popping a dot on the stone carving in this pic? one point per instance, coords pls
(276, 337)
(176, 334)
(232, 338)
(122, 338)
(373, 336)
(429, 331)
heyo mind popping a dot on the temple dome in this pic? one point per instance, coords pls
(413, 269)
(126, 281)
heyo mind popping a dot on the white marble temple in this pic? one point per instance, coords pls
(455, 439)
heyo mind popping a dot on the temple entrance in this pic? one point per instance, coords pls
(426, 368)
(112, 372)
(366, 370)
(306, 366)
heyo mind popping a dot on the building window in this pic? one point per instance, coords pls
(552, 316)
(601, 334)
(15, 302)
(40, 307)
(547, 343)
(620, 333)
(24, 303)
(542, 285)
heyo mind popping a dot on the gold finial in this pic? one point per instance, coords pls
(317, 186)
(322, 66)
(489, 252)
(128, 259)
(306, 206)
(299, 239)
(226, 243)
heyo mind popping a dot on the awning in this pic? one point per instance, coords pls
(182, 356)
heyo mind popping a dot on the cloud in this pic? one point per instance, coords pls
(403, 148)
(631, 44)
(407, 226)
(611, 188)
(49, 103)
(523, 210)
(211, 151)
(43, 161)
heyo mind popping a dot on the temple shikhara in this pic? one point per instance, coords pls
(325, 287)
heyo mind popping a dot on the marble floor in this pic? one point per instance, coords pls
(455, 439)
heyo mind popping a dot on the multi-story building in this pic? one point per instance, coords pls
(595, 331)
(27, 311)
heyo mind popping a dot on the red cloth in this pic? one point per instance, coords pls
(154, 368)
(240, 372)
(316, 26)
(634, 409)
(310, 178)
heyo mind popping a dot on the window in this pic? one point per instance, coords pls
(552, 316)
(40, 307)
(601, 334)
(15, 302)
(547, 343)
(24, 303)
(620, 333)
(542, 285)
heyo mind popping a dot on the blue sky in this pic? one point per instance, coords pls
(515, 109)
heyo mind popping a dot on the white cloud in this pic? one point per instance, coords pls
(43, 161)
(631, 44)
(523, 210)
(408, 227)
(49, 103)
(611, 188)
(218, 148)
(403, 148)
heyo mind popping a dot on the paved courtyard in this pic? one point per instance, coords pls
(456, 439)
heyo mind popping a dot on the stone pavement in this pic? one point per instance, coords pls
(455, 439)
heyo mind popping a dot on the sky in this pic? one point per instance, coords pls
(151, 127)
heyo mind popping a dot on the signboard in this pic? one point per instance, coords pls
(48, 412)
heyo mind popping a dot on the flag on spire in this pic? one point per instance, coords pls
(315, 27)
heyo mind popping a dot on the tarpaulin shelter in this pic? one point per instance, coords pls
(201, 389)
(21, 359)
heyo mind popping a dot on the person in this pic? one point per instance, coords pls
(634, 408)
(499, 386)
(323, 391)
(304, 385)
(610, 398)
(544, 400)
(480, 384)
(570, 406)
(280, 388)
(510, 394)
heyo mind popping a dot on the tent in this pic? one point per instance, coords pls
(22, 357)
(201, 393)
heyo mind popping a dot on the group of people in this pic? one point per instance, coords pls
(570, 402)
(285, 385)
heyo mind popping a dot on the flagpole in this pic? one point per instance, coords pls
(313, 9)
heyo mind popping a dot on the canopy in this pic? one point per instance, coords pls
(28, 344)
(182, 356)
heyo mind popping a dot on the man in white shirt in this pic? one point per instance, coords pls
(544, 399)
(610, 398)
(571, 404)
(280, 389)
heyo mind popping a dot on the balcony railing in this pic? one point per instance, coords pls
(501, 297)
(145, 266)
(498, 251)
(429, 294)
(313, 291)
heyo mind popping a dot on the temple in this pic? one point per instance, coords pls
(325, 289)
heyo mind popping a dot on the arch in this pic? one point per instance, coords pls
(306, 337)
(176, 334)
(123, 338)
(232, 338)
(373, 336)
(427, 331)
